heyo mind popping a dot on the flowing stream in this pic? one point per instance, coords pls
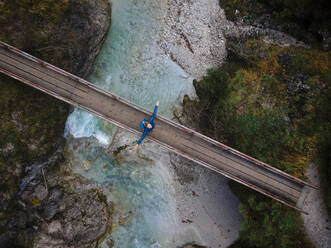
(132, 65)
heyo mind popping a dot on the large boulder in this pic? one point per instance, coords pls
(74, 217)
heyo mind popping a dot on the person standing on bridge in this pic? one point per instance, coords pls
(147, 125)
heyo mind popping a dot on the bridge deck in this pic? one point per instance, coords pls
(188, 143)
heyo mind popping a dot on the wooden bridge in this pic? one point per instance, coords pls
(177, 138)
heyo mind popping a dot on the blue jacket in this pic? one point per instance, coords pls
(146, 129)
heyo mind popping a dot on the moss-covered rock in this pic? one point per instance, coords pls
(66, 33)
(29, 131)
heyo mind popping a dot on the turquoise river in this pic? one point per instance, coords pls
(132, 65)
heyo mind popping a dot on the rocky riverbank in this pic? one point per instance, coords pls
(35, 208)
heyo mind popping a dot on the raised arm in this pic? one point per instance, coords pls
(155, 110)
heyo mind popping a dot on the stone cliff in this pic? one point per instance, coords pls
(69, 34)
